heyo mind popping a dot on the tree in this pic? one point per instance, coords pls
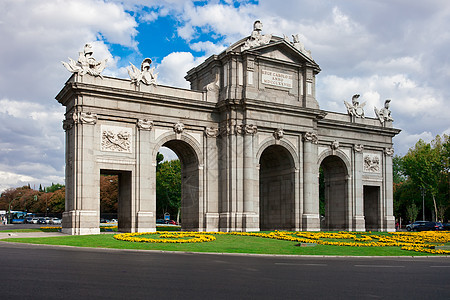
(426, 165)
(412, 212)
(109, 193)
(168, 187)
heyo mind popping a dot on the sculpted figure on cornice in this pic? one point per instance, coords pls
(384, 114)
(256, 38)
(311, 137)
(86, 63)
(355, 109)
(299, 46)
(145, 75)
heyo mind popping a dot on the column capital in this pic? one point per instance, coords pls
(389, 151)
(311, 137)
(144, 124)
(358, 148)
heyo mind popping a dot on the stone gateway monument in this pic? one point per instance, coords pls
(251, 137)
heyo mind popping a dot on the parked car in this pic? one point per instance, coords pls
(42, 220)
(171, 222)
(55, 221)
(424, 225)
(160, 221)
(29, 220)
(446, 226)
(35, 220)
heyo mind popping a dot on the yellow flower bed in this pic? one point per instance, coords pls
(425, 241)
(420, 241)
(166, 237)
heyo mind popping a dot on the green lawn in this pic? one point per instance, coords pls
(222, 244)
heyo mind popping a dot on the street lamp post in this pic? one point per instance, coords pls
(422, 191)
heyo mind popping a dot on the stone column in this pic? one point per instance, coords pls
(251, 220)
(145, 217)
(389, 219)
(359, 223)
(212, 179)
(83, 212)
(310, 218)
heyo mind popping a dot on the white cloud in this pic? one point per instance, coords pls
(174, 67)
(208, 47)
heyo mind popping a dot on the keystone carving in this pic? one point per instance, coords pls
(278, 134)
(178, 127)
(335, 145)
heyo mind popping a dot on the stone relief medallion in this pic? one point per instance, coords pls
(372, 163)
(116, 139)
(144, 124)
(278, 134)
(311, 137)
(178, 128)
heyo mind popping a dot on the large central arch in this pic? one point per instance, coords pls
(189, 154)
(276, 189)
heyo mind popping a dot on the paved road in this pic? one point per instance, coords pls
(47, 272)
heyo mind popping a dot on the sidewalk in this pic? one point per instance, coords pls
(6, 235)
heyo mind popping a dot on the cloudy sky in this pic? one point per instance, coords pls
(396, 49)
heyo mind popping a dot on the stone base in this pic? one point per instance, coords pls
(74, 219)
(250, 222)
(238, 222)
(145, 222)
(212, 222)
(389, 224)
(311, 222)
(359, 223)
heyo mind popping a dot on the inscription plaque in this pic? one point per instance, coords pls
(276, 79)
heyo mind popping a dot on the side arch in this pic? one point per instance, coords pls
(337, 153)
(285, 144)
(185, 137)
(335, 190)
